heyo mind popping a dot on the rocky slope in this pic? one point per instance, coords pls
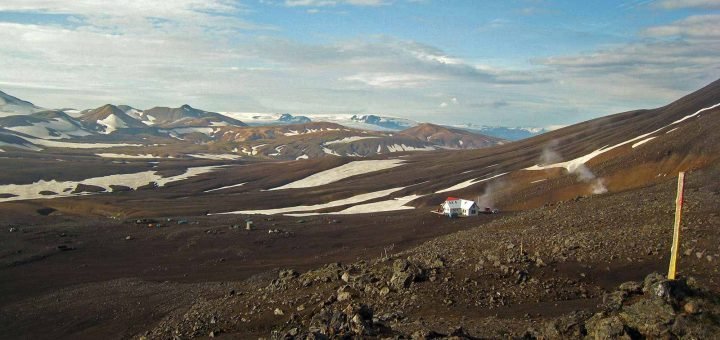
(555, 272)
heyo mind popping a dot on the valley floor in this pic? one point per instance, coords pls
(494, 276)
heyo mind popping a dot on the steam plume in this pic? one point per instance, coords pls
(583, 173)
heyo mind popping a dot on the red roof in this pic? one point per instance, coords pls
(452, 199)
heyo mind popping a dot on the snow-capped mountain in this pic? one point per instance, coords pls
(186, 116)
(390, 123)
(290, 119)
(110, 118)
(21, 122)
(10, 106)
(275, 136)
(46, 125)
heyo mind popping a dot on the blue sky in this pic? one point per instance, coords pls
(513, 63)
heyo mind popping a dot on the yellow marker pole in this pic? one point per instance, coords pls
(676, 233)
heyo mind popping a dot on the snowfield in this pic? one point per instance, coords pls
(59, 144)
(642, 142)
(219, 157)
(64, 128)
(112, 123)
(307, 131)
(394, 204)
(305, 208)
(120, 155)
(64, 188)
(27, 146)
(330, 152)
(344, 171)
(225, 187)
(348, 140)
(695, 114)
(403, 147)
(468, 183)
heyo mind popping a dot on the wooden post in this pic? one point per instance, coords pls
(676, 232)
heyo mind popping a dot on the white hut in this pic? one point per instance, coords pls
(459, 207)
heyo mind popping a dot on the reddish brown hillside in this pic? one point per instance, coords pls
(451, 138)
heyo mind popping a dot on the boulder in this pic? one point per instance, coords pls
(651, 317)
(601, 327)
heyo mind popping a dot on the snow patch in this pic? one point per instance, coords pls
(330, 152)
(213, 156)
(150, 120)
(307, 131)
(278, 150)
(112, 123)
(348, 140)
(694, 114)
(225, 187)
(305, 208)
(64, 188)
(344, 171)
(62, 128)
(119, 155)
(394, 204)
(59, 144)
(642, 142)
(403, 147)
(465, 184)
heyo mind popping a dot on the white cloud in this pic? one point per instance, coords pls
(323, 3)
(129, 8)
(675, 4)
(705, 27)
(390, 80)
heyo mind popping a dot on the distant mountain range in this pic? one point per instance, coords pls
(109, 119)
(509, 133)
(379, 123)
(278, 136)
(213, 133)
(187, 116)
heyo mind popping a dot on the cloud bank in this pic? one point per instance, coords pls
(219, 56)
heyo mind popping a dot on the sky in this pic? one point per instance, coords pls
(531, 63)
